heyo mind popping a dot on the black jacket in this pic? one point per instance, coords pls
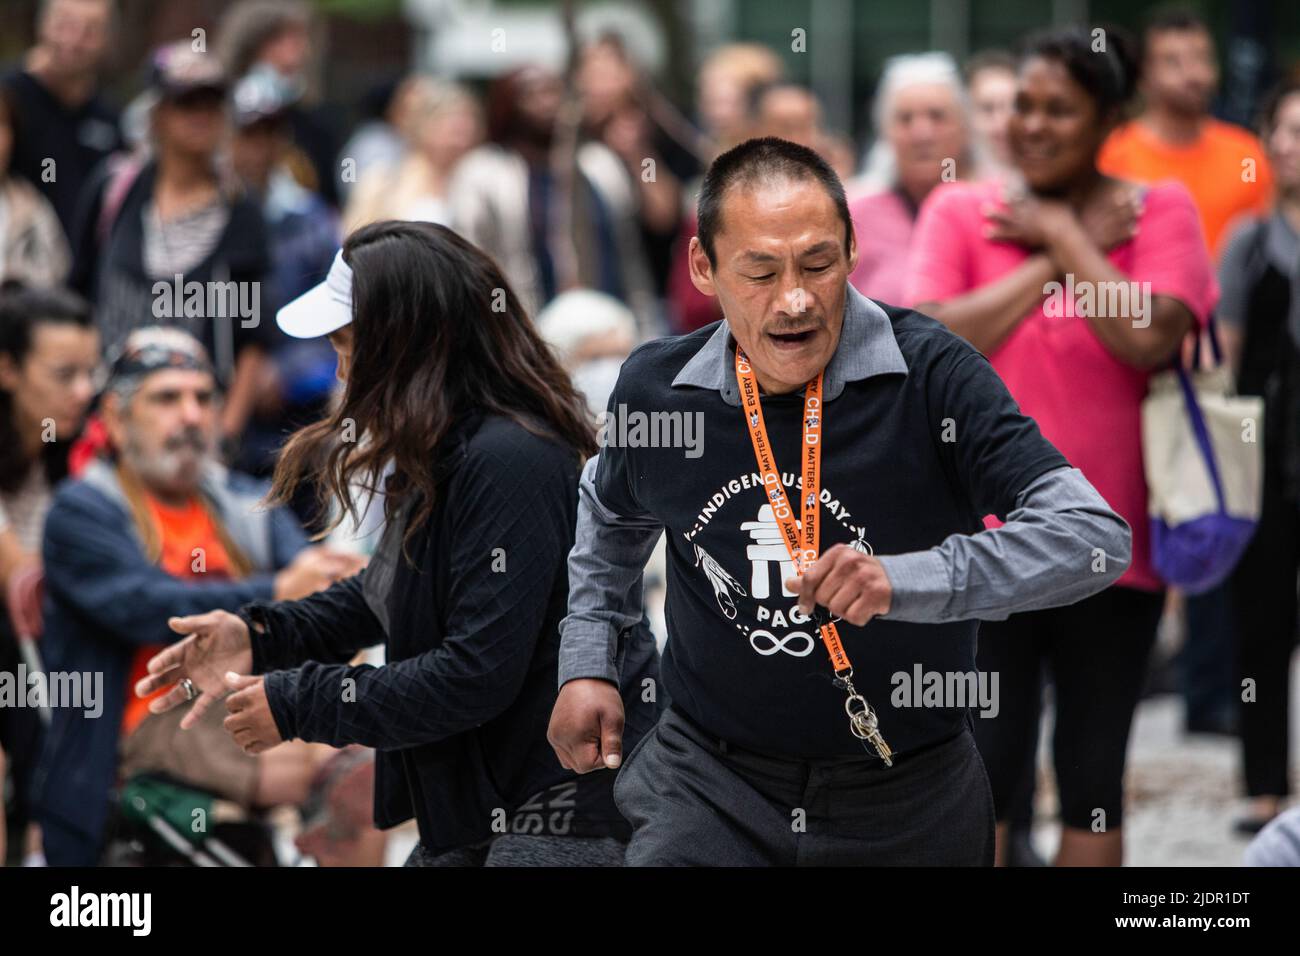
(459, 712)
(108, 267)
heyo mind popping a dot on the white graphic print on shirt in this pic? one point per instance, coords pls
(771, 607)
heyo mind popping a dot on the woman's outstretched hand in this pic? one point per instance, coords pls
(250, 722)
(218, 643)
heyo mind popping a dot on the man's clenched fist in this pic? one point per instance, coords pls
(848, 583)
(587, 725)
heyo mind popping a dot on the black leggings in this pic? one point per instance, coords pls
(1264, 610)
(1096, 655)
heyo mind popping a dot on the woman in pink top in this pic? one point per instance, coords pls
(1004, 272)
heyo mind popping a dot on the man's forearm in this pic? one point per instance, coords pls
(1062, 543)
(605, 566)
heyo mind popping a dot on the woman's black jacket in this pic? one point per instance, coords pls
(458, 714)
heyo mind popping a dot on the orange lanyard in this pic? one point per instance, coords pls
(803, 547)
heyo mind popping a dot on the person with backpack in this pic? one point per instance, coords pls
(1259, 315)
(175, 218)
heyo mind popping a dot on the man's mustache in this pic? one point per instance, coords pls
(803, 324)
(190, 439)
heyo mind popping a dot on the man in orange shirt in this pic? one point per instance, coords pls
(154, 531)
(1175, 137)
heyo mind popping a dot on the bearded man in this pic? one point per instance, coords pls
(156, 531)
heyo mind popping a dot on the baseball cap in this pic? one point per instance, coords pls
(177, 68)
(322, 309)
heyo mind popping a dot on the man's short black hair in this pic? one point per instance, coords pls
(759, 91)
(761, 160)
(1171, 18)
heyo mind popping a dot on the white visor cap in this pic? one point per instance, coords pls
(321, 309)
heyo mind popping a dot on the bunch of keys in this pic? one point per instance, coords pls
(862, 720)
(865, 726)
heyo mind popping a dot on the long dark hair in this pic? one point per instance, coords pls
(437, 334)
(22, 309)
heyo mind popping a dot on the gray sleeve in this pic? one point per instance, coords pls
(1062, 543)
(1278, 844)
(1233, 280)
(605, 566)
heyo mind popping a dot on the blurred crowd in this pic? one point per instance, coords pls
(122, 373)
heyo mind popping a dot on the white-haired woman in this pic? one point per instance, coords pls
(922, 138)
(592, 334)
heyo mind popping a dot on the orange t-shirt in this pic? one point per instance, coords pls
(190, 547)
(1214, 170)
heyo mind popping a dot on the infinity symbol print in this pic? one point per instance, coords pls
(771, 644)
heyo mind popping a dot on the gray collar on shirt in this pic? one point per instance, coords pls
(867, 347)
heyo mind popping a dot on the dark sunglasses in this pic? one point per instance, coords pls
(204, 98)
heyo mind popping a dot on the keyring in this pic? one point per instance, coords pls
(863, 722)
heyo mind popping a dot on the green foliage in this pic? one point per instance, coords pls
(361, 9)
